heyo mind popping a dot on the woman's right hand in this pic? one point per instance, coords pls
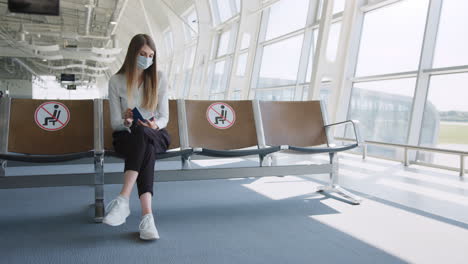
(128, 117)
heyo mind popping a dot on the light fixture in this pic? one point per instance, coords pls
(21, 36)
(115, 44)
(21, 33)
(113, 22)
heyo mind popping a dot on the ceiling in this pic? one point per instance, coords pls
(88, 38)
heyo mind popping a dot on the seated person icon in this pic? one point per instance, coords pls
(222, 117)
(54, 118)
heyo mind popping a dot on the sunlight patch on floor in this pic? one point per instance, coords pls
(278, 188)
(409, 236)
(461, 199)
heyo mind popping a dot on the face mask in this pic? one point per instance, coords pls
(143, 62)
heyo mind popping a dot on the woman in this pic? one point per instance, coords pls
(138, 83)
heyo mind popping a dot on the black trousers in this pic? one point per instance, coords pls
(140, 148)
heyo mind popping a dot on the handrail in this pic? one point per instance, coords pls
(448, 151)
(357, 131)
(406, 147)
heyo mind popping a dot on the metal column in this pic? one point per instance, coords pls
(5, 104)
(98, 160)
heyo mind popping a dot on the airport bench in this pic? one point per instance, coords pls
(219, 129)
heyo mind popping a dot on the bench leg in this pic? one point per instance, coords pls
(98, 203)
(3, 165)
(186, 163)
(265, 160)
(333, 187)
(99, 188)
(273, 159)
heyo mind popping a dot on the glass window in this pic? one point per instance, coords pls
(219, 77)
(52, 89)
(280, 62)
(236, 95)
(219, 96)
(333, 38)
(338, 7)
(168, 41)
(219, 80)
(325, 92)
(189, 57)
(188, 65)
(311, 56)
(275, 95)
(223, 10)
(332, 47)
(187, 79)
(286, 16)
(392, 38)
(384, 110)
(163, 66)
(445, 122)
(241, 64)
(452, 38)
(309, 66)
(192, 20)
(245, 41)
(224, 40)
(174, 82)
(305, 92)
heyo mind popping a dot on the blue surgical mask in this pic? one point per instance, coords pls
(143, 62)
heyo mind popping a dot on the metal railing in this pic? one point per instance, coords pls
(406, 148)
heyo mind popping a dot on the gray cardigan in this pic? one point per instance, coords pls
(118, 101)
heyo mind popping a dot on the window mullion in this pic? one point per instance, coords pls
(422, 82)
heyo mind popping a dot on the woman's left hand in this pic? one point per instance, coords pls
(148, 123)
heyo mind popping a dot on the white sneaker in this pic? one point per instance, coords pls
(147, 228)
(119, 210)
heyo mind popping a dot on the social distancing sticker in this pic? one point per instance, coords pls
(221, 115)
(52, 116)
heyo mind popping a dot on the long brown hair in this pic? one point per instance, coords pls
(150, 76)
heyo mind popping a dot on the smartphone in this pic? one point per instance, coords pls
(138, 116)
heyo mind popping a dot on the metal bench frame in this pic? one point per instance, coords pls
(99, 177)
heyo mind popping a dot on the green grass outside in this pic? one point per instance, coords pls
(453, 134)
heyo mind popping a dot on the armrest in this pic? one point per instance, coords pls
(357, 131)
(46, 158)
(237, 152)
